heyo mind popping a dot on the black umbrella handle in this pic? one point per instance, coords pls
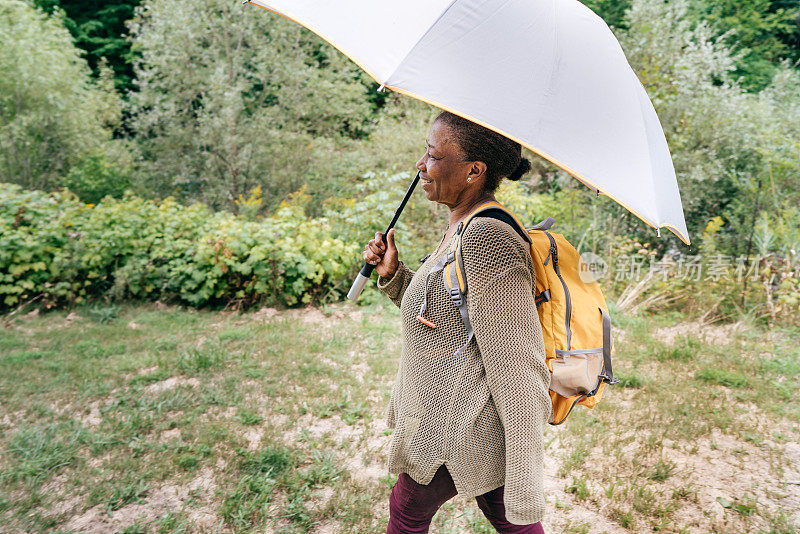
(366, 270)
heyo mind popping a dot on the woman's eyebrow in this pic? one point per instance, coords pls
(429, 144)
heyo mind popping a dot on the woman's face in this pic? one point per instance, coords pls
(443, 171)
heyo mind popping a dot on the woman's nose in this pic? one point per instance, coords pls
(420, 162)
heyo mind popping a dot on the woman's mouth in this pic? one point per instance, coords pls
(425, 180)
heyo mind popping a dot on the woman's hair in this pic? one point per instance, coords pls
(502, 156)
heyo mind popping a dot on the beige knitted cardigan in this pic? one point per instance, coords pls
(483, 415)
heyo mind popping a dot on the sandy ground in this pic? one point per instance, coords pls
(717, 467)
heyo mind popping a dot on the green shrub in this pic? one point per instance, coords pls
(59, 250)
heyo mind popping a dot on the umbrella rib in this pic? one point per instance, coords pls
(578, 176)
(383, 83)
(433, 24)
(638, 85)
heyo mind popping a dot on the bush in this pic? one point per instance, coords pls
(55, 121)
(59, 250)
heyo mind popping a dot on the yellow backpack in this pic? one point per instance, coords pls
(575, 323)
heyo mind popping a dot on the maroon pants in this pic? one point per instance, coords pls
(412, 505)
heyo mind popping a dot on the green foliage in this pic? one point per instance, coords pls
(733, 152)
(612, 11)
(745, 507)
(661, 471)
(98, 28)
(764, 31)
(761, 29)
(96, 177)
(238, 109)
(61, 250)
(287, 258)
(231, 97)
(579, 488)
(376, 196)
(54, 121)
(262, 473)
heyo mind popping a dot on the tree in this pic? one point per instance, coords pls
(763, 30)
(231, 97)
(98, 28)
(734, 151)
(53, 118)
(611, 11)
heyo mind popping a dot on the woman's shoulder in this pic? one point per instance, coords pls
(491, 240)
(483, 230)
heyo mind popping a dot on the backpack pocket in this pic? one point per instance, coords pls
(576, 372)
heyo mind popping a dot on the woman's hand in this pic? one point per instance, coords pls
(382, 256)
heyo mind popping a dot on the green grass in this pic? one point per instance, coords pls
(714, 375)
(265, 425)
(676, 398)
(92, 404)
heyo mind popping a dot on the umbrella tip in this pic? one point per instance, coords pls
(658, 232)
(381, 88)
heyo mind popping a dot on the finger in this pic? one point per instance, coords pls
(376, 250)
(379, 239)
(376, 243)
(390, 238)
(371, 258)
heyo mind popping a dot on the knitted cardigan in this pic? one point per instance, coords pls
(482, 415)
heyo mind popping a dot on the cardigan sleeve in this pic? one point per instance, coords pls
(502, 310)
(396, 286)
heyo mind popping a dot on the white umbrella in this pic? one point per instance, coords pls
(547, 73)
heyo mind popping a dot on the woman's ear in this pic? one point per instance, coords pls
(477, 171)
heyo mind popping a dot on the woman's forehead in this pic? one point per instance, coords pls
(439, 135)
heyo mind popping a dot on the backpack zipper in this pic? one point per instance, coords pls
(554, 254)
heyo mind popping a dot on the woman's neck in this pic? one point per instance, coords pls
(462, 209)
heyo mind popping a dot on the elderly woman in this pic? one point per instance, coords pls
(470, 425)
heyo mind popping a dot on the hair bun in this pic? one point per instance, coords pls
(523, 167)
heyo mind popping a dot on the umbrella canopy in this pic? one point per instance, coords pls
(548, 74)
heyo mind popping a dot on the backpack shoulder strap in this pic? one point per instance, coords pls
(544, 225)
(495, 210)
(455, 278)
(492, 210)
(455, 274)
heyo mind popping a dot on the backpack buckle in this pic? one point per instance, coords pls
(607, 380)
(456, 296)
(542, 297)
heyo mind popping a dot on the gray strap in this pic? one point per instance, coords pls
(608, 371)
(444, 262)
(579, 351)
(544, 225)
(460, 352)
(462, 309)
(459, 299)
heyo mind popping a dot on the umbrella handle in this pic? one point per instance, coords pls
(366, 270)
